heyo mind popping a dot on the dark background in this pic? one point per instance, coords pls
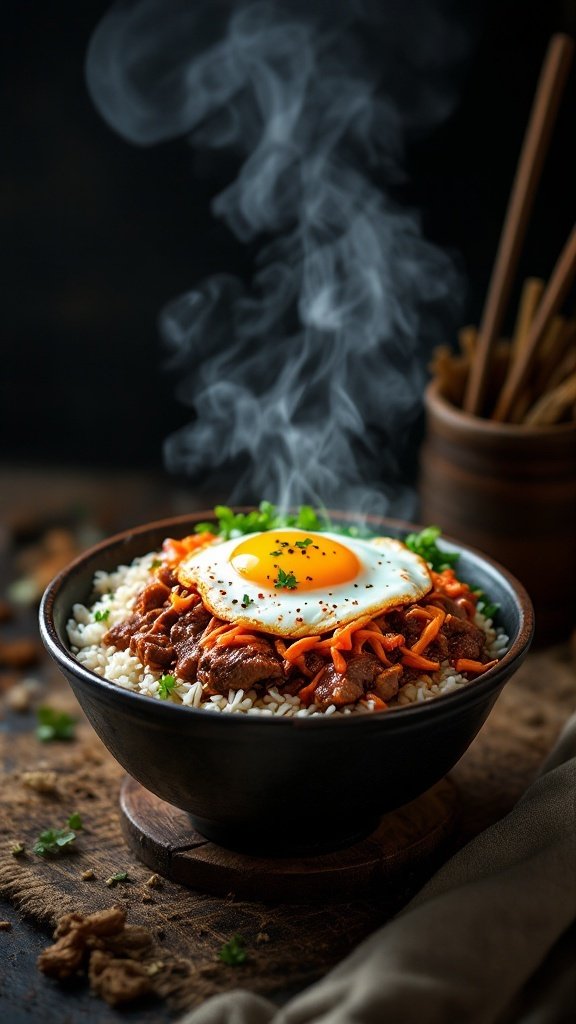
(97, 235)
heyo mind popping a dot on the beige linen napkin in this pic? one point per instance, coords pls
(488, 939)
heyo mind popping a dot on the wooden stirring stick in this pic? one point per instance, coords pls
(534, 148)
(559, 285)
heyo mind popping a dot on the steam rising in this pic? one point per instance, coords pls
(306, 386)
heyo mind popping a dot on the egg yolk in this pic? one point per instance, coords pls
(294, 560)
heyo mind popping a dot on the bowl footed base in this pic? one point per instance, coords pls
(406, 840)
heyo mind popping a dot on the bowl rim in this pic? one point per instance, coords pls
(443, 703)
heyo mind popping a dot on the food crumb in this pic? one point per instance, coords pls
(5, 926)
(41, 781)
(262, 937)
(19, 699)
(154, 881)
(154, 968)
(87, 875)
(119, 876)
(17, 849)
(18, 653)
(104, 948)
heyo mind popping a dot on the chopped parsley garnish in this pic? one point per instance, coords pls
(120, 876)
(275, 554)
(285, 580)
(54, 725)
(265, 517)
(487, 608)
(166, 685)
(246, 601)
(54, 839)
(304, 543)
(101, 616)
(233, 952)
(424, 544)
(156, 563)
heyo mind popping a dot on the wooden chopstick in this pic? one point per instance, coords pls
(531, 295)
(558, 286)
(534, 148)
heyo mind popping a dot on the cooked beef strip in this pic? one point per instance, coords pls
(448, 605)
(314, 662)
(153, 596)
(119, 636)
(346, 687)
(239, 668)
(153, 649)
(465, 640)
(387, 684)
(167, 576)
(402, 622)
(337, 688)
(185, 636)
(151, 643)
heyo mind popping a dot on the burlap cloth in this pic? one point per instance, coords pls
(291, 945)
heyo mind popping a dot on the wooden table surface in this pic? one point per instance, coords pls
(492, 774)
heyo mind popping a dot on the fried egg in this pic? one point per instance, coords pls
(297, 583)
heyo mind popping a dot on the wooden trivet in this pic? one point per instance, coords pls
(163, 837)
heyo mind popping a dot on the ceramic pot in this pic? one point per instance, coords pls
(510, 491)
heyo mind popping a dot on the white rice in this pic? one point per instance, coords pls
(115, 593)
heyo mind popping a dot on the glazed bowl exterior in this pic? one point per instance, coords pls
(274, 784)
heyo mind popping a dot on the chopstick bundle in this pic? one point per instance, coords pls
(534, 149)
(520, 368)
(553, 405)
(543, 397)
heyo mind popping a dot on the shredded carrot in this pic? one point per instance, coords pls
(175, 550)
(390, 641)
(469, 665)
(306, 694)
(418, 613)
(300, 647)
(181, 603)
(233, 639)
(379, 704)
(468, 605)
(412, 660)
(214, 623)
(342, 637)
(338, 660)
(210, 636)
(447, 583)
(224, 637)
(430, 631)
(350, 637)
(374, 640)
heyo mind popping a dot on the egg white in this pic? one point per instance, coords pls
(390, 574)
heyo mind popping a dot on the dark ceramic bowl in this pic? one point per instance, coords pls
(280, 785)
